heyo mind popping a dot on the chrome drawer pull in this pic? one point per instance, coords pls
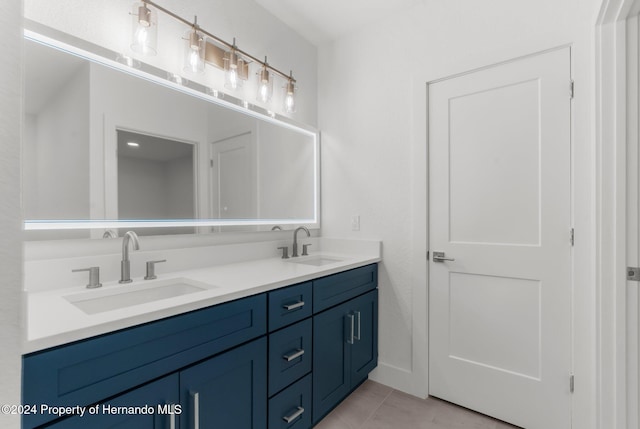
(195, 396)
(293, 355)
(294, 306)
(294, 416)
(172, 421)
(352, 331)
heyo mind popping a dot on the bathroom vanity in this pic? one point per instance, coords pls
(279, 358)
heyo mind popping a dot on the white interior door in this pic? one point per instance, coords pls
(233, 177)
(499, 207)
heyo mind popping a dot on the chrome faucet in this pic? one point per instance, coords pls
(295, 239)
(125, 265)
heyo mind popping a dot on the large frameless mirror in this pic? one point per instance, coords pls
(108, 146)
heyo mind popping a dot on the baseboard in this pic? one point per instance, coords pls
(400, 379)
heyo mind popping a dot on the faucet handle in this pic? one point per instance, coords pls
(151, 269)
(304, 249)
(94, 276)
(285, 252)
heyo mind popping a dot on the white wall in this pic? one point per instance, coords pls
(372, 113)
(10, 212)
(285, 173)
(62, 152)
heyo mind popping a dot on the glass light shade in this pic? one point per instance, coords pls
(265, 85)
(144, 36)
(232, 66)
(290, 97)
(194, 49)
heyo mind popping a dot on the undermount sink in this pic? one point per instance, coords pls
(316, 261)
(122, 296)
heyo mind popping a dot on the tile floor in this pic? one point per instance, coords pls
(375, 406)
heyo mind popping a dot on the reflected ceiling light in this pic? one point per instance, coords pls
(211, 50)
(144, 29)
(290, 94)
(133, 144)
(265, 83)
(194, 49)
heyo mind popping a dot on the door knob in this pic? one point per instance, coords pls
(439, 257)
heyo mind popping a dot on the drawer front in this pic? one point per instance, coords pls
(290, 305)
(337, 288)
(291, 408)
(91, 370)
(290, 354)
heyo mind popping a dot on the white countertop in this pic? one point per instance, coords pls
(53, 321)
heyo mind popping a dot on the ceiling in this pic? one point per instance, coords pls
(321, 21)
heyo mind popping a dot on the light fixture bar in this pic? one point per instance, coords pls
(220, 41)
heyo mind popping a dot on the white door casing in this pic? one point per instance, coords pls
(500, 201)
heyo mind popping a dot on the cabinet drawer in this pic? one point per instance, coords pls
(291, 408)
(332, 290)
(289, 305)
(290, 352)
(91, 370)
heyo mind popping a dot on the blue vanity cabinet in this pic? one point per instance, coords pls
(345, 350)
(161, 397)
(227, 391)
(89, 371)
(277, 360)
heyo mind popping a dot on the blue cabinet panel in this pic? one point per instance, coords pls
(291, 408)
(91, 370)
(290, 355)
(289, 305)
(364, 351)
(227, 391)
(331, 290)
(345, 350)
(331, 354)
(163, 392)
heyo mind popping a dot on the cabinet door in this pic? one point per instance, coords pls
(157, 398)
(227, 391)
(364, 351)
(331, 354)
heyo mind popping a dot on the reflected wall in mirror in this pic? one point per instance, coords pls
(199, 166)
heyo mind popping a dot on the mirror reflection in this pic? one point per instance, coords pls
(106, 145)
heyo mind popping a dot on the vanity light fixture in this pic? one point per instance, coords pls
(234, 68)
(290, 94)
(144, 29)
(203, 47)
(265, 83)
(194, 49)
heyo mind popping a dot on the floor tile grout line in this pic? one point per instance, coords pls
(377, 408)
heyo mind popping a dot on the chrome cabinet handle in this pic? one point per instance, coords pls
(293, 416)
(352, 320)
(296, 354)
(357, 336)
(172, 421)
(439, 257)
(195, 397)
(294, 306)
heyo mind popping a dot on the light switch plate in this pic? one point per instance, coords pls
(355, 223)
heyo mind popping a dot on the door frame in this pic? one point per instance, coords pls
(616, 54)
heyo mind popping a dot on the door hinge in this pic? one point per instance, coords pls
(211, 162)
(571, 88)
(427, 255)
(633, 274)
(572, 237)
(572, 381)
